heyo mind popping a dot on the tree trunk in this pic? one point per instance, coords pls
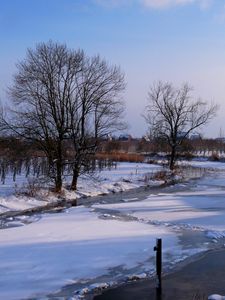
(172, 158)
(59, 167)
(76, 173)
(58, 179)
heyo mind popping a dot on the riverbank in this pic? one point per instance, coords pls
(194, 281)
(28, 193)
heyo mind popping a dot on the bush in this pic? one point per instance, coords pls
(31, 189)
(160, 175)
(214, 157)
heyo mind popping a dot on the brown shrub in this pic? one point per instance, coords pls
(214, 157)
(121, 157)
(160, 175)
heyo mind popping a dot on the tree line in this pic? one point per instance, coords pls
(64, 102)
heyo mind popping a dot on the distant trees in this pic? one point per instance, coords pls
(14, 153)
(59, 97)
(172, 114)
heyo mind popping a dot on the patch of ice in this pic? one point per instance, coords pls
(137, 276)
(216, 297)
(215, 234)
(98, 286)
(129, 199)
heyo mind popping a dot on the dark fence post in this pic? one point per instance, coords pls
(158, 249)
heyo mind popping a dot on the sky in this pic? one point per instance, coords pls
(170, 40)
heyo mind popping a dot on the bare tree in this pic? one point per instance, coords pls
(173, 113)
(42, 89)
(61, 97)
(98, 110)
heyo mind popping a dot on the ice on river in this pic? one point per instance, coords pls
(77, 245)
(81, 245)
(202, 207)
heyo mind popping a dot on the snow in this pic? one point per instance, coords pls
(203, 208)
(65, 248)
(96, 247)
(216, 297)
(213, 165)
(174, 209)
(124, 177)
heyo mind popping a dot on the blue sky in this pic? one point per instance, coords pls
(172, 40)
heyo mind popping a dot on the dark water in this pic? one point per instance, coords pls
(195, 281)
(17, 218)
(139, 193)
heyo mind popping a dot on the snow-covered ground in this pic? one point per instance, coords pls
(86, 247)
(69, 247)
(124, 177)
(204, 163)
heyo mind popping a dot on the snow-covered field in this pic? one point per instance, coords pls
(86, 247)
(69, 247)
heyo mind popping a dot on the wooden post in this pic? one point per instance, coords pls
(158, 249)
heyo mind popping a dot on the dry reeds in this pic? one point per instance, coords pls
(121, 157)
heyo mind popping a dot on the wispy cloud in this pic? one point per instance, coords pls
(169, 3)
(114, 3)
(156, 4)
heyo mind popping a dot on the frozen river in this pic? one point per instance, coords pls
(111, 238)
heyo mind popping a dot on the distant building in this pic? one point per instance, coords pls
(125, 137)
(195, 136)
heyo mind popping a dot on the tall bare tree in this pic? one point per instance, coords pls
(43, 86)
(98, 110)
(173, 113)
(61, 95)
